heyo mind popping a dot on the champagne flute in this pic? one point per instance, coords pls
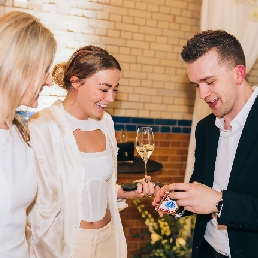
(145, 144)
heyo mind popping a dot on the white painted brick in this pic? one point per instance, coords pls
(165, 9)
(86, 5)
(34, 6)
(150, 38)
(147, 68)
(150, 30)
(141, 6)
(156, 99)
(153, 8)
(184, 20)
(126, 34)
(131, 113)
(138, 36)
(76, 12)
(163, 47)
(156, 77)
(20, 4)
(135, 67)
(119, 112)
(177, 115)
(159, 69)
(135, 75)
(139, 13)
(156, 114)
(137, 44)
(144, 113)
(149, 53)
(125, 50)
(86, 29)
(168, 100)
(104, 1)
(134, 82)
(177, 4)
(160, 54)
(114, 33)
(126, 19)
(99, 31)
(102, 24)
(163, 24)
(115, 17)
(136, 52)
(117, 2)
(134, 98)
(8, 3)
(147, 60)
(126, 58)
(157, 107)
(151, 23)
(145, 91)
(112, 41)
(166, 115)
(129, 4)
(128, 105)
(73, 44)
(121, 96)
(102, 15)
(147, 83)
(74, 28)
(115, 9)
(139, 21)
(145, 98)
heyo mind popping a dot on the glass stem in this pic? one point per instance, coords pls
(145, 167)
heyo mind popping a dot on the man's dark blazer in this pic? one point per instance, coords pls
(240, 205)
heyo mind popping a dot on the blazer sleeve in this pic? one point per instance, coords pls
(46, 240)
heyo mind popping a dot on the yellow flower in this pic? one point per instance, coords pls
(155, 237)
(180, 242)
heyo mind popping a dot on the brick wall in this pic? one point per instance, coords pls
(146, 36)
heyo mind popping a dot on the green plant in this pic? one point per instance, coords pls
(170, 237)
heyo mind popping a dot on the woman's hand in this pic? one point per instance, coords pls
(145, 188)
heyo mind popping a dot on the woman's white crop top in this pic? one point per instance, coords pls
(99, 167)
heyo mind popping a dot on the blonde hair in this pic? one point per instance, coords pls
(27, 49)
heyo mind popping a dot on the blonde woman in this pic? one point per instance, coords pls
(26, 53)
(76, 212)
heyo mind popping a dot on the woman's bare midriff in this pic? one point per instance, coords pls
(98, 224)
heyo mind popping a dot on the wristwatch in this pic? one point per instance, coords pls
(219, 206)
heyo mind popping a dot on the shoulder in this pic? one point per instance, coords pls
(207, 121)
(108, 118)
(40, 118)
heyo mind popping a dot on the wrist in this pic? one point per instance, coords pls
(219, 204)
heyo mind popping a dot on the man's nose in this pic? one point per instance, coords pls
(203, 91)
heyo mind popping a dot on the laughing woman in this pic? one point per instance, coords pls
(26, 53)
(76, 212)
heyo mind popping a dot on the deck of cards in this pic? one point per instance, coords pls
(169, 206)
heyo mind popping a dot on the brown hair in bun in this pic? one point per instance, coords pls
(84, 62)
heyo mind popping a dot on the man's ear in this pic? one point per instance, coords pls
(240, 74)
(76, 83)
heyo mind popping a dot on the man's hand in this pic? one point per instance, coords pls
(195, 197)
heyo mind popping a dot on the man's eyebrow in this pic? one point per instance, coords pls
(202, 80)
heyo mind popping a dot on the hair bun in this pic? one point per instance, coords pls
(58, 74)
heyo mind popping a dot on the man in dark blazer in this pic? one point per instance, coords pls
(223, 189)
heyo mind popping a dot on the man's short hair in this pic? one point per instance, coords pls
(229, 49)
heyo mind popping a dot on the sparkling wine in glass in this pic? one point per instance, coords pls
(145, 144)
